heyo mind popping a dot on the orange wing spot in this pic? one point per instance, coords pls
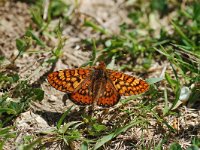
(72, 72)
(73, 79)
(129, 88)
(68, 79)
(137, 88)
(68, 84)
(84, 87)
(56, 86)
(75, 84)
(71, 88)
(84, 76)
(76, 73)
(121, 92)
(67, 73)
(136, 81)
(112, 78)
(124, 89)
(134, 88)
(126, 77)
(118, 86)
(117, 75)
(142, 90)
(131, 92)
(130, 79)
(83, 71)
(121, 82)
(61, 75)
(60, 88)
(122, 77)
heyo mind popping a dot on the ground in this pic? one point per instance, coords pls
(140, 123)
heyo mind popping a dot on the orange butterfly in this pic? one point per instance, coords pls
(96, 84)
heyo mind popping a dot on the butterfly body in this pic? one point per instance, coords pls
(99, 78)
(96, 85)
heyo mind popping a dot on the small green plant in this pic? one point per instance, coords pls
(5, 134)
(17, 100)
(53, 9)
(172, 49)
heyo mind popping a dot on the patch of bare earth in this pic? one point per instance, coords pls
(15, 18)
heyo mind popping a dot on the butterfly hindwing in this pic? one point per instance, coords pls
(109, 96)
(83, 94)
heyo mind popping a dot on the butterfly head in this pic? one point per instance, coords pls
(99, 72)
(101, 65)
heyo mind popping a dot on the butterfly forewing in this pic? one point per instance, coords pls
(127, 85)
(68, 80)
(109, 95)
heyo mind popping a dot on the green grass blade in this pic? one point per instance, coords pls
(182, 34)
(154, 80)
(112, 135)
(63, 117)
(34, 37)
(84, 146)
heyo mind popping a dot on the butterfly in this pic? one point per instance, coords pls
(96, 84)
